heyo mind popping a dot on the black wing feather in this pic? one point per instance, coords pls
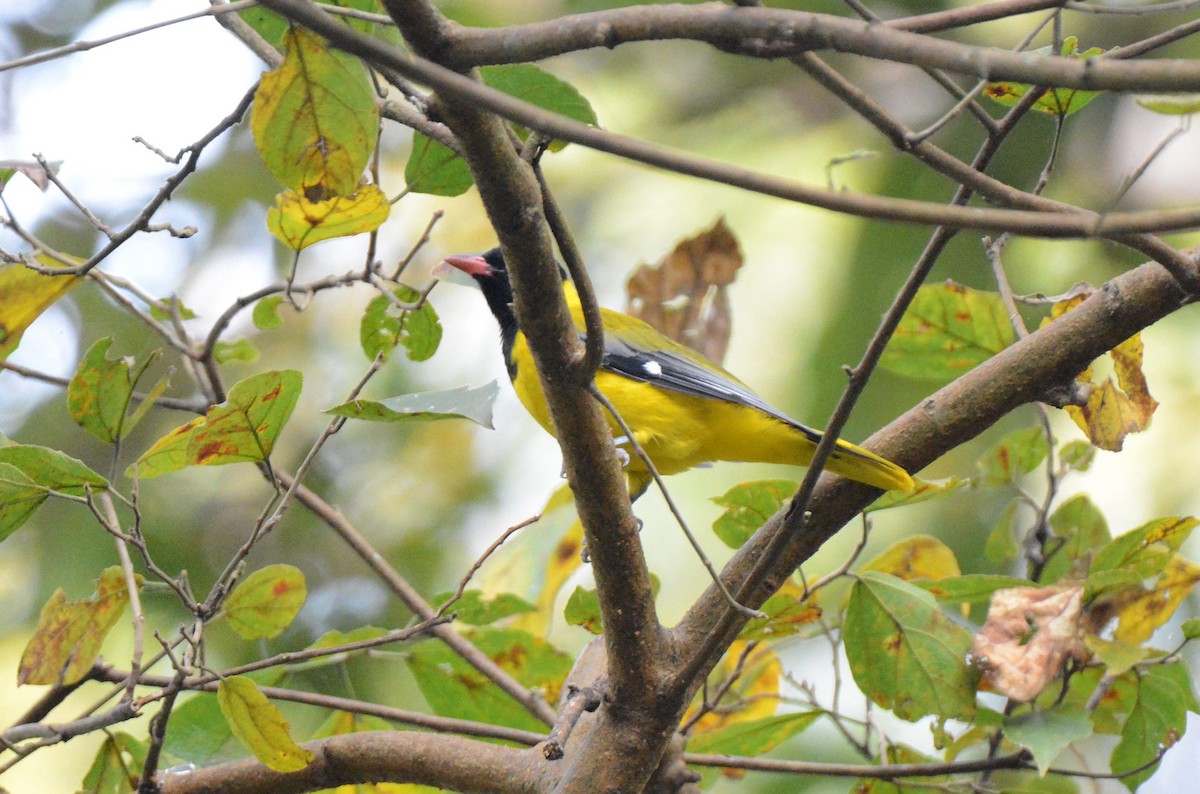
(667, 369)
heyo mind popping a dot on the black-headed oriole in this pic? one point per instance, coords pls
(683, 409)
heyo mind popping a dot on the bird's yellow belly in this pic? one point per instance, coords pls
(679, 431)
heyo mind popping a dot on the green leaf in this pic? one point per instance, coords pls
(453, 688)
(434, 169)
(1116, 655)
(1056, 101)
(1077, 454)
(905, 654)
(117, 766)
(1019, 452)
(384, 326)
(971, 588)
(461, 403)
(334, 638)
(1170, 104)
(266, 313)
(753, 737)
(1103, 584)
(52, 470)
(272, 26)
(1190, 628)
(242, 350)
(1001, 546)
(583, 610)
(20, 497)
(266, 601)
(176, 305)
(538, 87)
(243, 428)
(748, 506)
(100, 391)
(476, 609)
(1080, 529)
(259, 726)
(948, 330)
(1147, 549)
(1158, 720)
(787, 613)
(923, 492)
(315, 118)
(199, 732)
(1048, 733)
(67, 640)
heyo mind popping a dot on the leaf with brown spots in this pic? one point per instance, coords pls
(905, 653)
(947, 330)
(266, 601)
(454, 688)
(684, 296)
(917, 557)
(315, 118)
(1113, 409)
(243, 428)
(99, 394)
(69, 633)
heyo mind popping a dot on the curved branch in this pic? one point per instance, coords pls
(774, 32)
(950, 417)
(374, 757)
(1079, 223)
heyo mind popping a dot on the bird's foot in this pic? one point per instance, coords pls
(622, 455)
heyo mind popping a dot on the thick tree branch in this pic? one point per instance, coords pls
(775, 32)
(450, 84)
(377, 756)
(950, 417)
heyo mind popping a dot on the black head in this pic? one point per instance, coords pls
(491, 274)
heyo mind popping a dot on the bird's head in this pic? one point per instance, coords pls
(489, 273)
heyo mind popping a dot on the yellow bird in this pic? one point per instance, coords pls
(682, 409)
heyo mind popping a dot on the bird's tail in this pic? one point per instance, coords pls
(862, 466)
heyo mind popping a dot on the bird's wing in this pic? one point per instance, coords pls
(668, 365)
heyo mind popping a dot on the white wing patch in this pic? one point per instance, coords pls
(652, 368)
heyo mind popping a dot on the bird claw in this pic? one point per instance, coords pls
(622, 455)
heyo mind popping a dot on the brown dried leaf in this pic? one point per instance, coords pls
(684, 296)
(1029, 635)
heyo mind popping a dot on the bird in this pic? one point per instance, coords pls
(683, 409)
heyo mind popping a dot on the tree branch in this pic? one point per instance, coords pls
(373, 757)
(776, 32)
(450, 84)
(950, 417)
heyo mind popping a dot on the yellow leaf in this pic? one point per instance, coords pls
(298, 222)
(315, 118)
(266, 601)
(24, 295)
(917, 557)
(1155, 605)
(69, 633)
(1113, 409)
(751, 688)
(259, 726)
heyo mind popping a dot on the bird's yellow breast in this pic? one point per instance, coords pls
(677, 431)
